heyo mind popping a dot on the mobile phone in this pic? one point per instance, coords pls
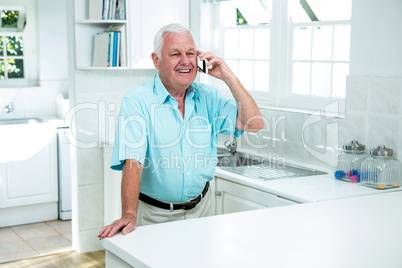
(202, 65)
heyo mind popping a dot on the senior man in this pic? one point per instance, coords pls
(167, 133)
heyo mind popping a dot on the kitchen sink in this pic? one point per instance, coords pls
(259, 168)
(21, 121)
(236, 160)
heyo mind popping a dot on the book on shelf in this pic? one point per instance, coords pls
(123, 46)
(101, 50)
(122, 41)
(107, 10)
(115, 48)
(112, 6)
(95, 9)
(120, 10)
(110, 48)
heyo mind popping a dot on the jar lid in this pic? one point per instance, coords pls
(354, 146)
(381, 150)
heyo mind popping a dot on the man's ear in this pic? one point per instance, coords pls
(155, 59)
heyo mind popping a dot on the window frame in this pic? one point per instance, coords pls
(302, 101)
(254, 60)
(29, 38)
(279, 95)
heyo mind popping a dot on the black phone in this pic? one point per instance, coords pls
(202, 65)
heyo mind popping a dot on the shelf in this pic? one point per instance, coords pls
(101, 68)
(101, 21)
(141, 23)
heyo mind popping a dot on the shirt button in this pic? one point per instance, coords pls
(186, 150)
(188, 174)
(186, 194)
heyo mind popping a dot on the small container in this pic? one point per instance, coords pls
(381, 170)
(350, 160)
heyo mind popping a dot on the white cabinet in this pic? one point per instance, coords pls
(28, 173)
(143, 19)
(233, 197)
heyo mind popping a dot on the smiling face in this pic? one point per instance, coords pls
(177, 63)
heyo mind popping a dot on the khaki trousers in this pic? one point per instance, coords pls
(148, 214)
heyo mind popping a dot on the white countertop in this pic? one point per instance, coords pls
(362, 231)
(305, 189)
(56, 121)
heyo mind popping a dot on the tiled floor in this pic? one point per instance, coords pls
(33, 240)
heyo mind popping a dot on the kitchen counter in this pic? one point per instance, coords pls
(305, 189)
(361, 231)
(301, 189)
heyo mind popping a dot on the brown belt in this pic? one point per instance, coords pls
(175, 206)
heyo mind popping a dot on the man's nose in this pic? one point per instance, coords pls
(184, 59)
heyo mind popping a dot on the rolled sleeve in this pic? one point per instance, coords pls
(131, 135)
(226, 117)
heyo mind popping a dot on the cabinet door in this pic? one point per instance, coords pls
(29, 170)
(232, 197)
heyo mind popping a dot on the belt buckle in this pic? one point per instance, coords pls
(189, 205)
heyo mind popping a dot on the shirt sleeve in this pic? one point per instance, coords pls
(225, 119)
(131, 140)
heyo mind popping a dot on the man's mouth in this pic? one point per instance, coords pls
(184, 71)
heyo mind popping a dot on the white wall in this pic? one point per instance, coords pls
(103, 91)
(52, 40)
(376, 38)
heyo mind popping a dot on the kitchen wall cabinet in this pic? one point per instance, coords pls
(233, 197)
(143, 19)
(28, 174)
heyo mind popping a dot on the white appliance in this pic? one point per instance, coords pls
(64, 173)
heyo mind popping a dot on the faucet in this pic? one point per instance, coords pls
(231, 145)
(9, 108)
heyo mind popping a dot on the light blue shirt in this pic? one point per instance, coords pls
(178, 154)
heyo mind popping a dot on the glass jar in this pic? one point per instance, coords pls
(350, 160)
(381, 170)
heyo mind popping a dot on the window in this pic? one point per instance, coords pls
(292, 53)
(11, 44)
(16, 43)
(320, 47)
(246, 42)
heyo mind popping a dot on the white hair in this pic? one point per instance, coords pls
(170, 28)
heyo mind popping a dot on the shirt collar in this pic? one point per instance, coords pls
(160, 90)
(164, 95)
(192, 92)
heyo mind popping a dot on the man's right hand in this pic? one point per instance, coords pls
(126, 224)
